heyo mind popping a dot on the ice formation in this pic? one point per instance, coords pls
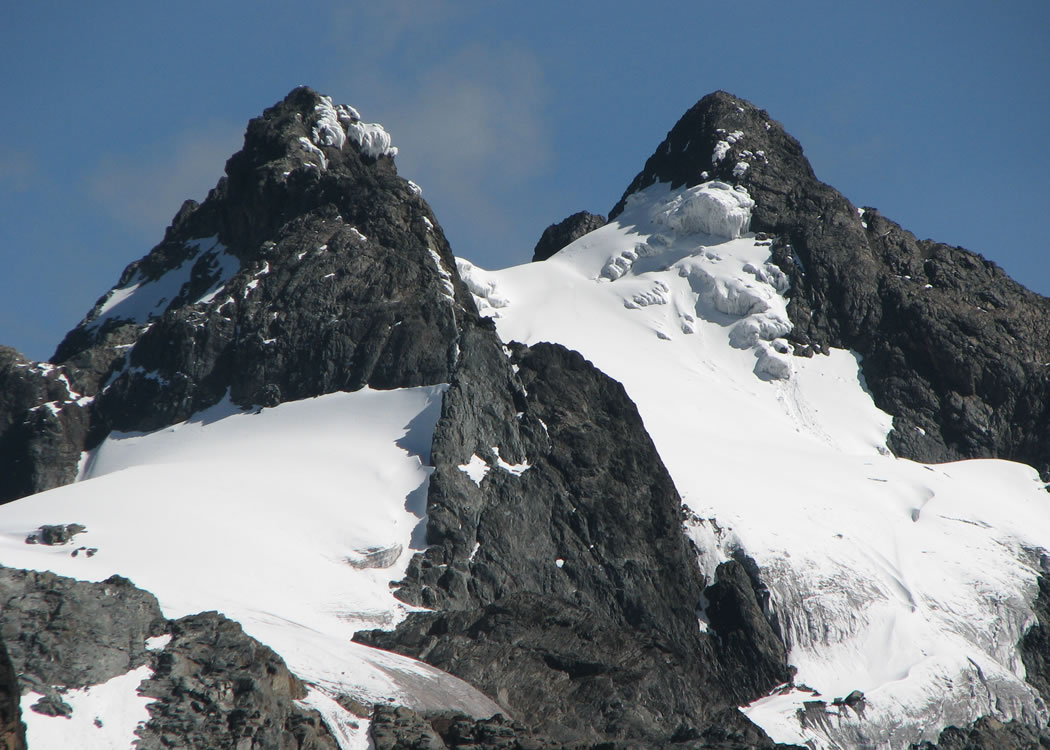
(714, 208)
(333, 124)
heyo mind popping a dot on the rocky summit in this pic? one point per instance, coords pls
(304, 479)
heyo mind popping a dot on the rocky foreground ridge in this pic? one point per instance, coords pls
(312, 267)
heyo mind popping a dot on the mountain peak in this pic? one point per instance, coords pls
(310, 267)
(726, 138)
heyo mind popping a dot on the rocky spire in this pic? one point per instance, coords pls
(311, 267)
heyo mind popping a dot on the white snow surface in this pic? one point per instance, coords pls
(259, 515)
(711, 207)
(142, 300)
(911, 583)
(476, 468)
(104, 716)
(334, 124)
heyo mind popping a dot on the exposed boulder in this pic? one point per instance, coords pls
(565, 232)
(66, 633)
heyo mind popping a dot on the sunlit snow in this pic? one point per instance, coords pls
(333, 124)
(262, 516)
(104, 716)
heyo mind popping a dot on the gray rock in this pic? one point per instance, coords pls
(988, 733)
(216, 687)
(12, 729)
(398, 727)
(52, 705)
(66, 633)
(52, 534)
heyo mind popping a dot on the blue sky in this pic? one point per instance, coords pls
(509, 115)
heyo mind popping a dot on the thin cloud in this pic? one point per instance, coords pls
(479, 111)
(143, 191)
(378, 29)
(474, 134)
(17, 170)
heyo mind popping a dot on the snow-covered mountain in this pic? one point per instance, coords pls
(739, 466)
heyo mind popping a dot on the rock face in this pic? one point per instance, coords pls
(952, 347)
(214, 686)
(310, 268)
(43, 426)
(566, 231)
(404, 729)
(564, 584)
(63, 633)
(12, 730)
(988, 734)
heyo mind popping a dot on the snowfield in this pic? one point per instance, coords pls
(909, 583)
(291, 520)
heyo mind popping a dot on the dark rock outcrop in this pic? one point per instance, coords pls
(399, 728)
(566, 231)
(1035, 644)
(12, 730)
(216, 687)
(988, 733)
(213, 685)
(43, 426)
(404, 729)
(66, 633)
(951, 346)
(568, 591)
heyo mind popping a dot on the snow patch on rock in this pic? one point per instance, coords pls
(476, 468)
(104, 716)
(333, 125)
(515, 469)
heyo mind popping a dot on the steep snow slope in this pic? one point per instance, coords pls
(909, 583)
(291, 520)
